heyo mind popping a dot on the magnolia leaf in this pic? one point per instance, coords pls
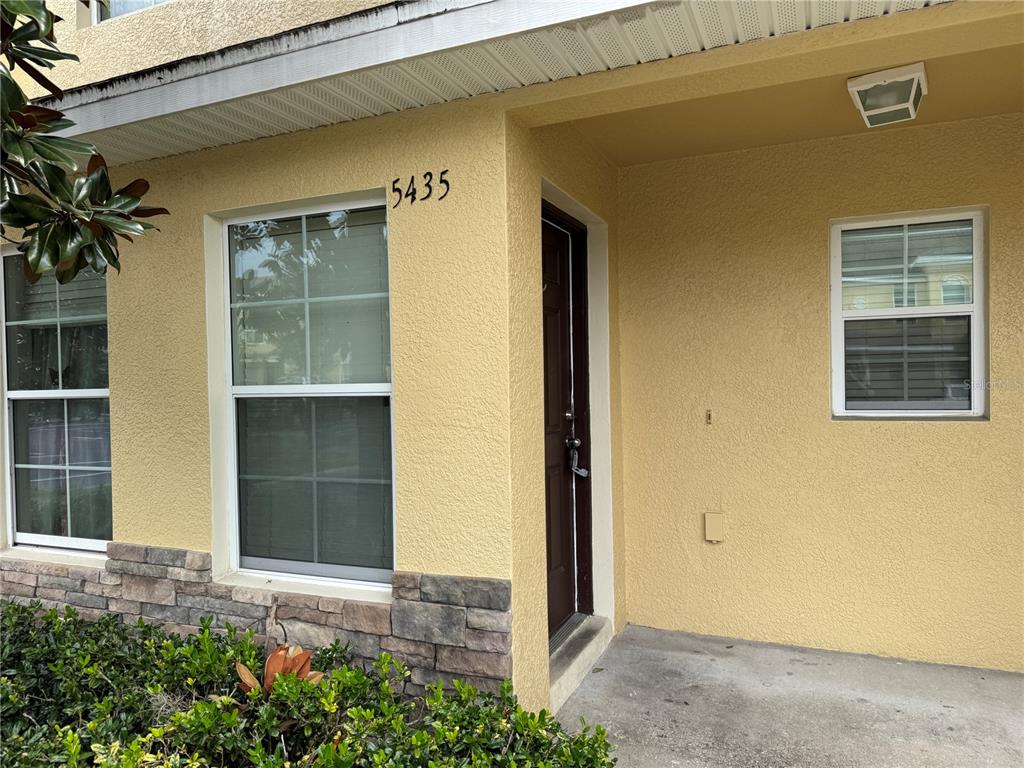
(274, 666)
(12, 98)
(137, 188)
(44, 148)
(73, 237)
(41, 114)
(96, 229)
(73, 146)
(20, 149)
(43, 248)
(27, 122)
(95, 163)
(301, 668)
(249, 681)
(65, 272)
(119, 224)
(31, 276)
(51, 180)
(145, 212)
(99, 181)
(122, 202)
(31, 8)
(40, 78)
(314, 677)
(23, 210)
(94, 256)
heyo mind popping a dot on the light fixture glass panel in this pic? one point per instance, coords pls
(886, 95)
(893, 116)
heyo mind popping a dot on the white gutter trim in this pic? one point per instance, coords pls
(402, 40)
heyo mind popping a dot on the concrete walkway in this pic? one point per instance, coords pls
(675, 699)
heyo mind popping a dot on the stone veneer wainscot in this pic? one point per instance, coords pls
(441, 627)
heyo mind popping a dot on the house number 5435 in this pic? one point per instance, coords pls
(432, 187)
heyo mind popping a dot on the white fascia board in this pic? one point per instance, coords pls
(400, 41)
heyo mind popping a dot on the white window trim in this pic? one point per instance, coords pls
(11, 537)
(223, 393)
(976, 310)
(96, 18)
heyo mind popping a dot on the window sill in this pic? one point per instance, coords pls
(909, 417)
(73, 557)
(309, 585)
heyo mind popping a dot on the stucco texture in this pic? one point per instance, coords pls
(899, 538)
(173, 30)
(559, 155)
(449, 336)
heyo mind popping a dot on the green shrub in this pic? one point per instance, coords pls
(125, 696)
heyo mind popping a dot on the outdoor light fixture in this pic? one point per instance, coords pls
(891, 96)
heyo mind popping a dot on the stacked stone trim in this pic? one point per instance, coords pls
(442, 627)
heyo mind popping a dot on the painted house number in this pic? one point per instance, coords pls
(412, 193)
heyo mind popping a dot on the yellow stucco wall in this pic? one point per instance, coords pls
(449, 336)
(559, 155)
(901, 538)
(173, 30)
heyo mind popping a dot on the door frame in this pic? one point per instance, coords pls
(579, 334)
(601, 542)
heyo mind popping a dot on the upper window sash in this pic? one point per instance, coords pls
(843, 310)
(294, 278)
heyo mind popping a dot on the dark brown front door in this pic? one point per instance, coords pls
(566, 418)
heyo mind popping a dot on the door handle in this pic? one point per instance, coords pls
(573, 444)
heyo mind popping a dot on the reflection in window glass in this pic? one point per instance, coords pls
(315, 480)
(112, 8)
(56, 358)
(309, 309)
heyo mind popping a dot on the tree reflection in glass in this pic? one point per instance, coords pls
(309, 299)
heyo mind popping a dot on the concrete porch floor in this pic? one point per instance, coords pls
(676, 699)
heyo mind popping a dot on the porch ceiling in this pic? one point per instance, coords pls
(407, 56)
(976, 84)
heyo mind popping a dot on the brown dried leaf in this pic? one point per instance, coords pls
(274, 666)
(300, 665)
(315, 677)
(249, 681)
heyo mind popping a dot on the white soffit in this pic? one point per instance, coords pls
(405, 56)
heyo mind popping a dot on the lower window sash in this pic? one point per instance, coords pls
(327, 570)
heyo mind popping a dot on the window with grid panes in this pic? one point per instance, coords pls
(57, 400)
(311, 387)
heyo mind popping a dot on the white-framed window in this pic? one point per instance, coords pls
(101, 11)
(56, 402)
(900, 348)
(310, 388)
(956, 289)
